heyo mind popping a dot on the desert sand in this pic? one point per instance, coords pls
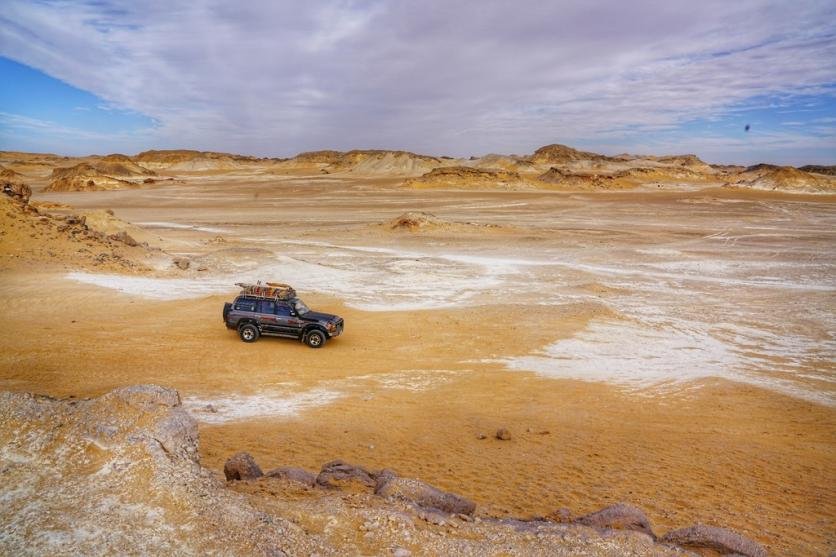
(662, 337)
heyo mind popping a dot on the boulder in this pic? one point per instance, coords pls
(503, 434)
(181, 263)
(242, 466)
(721, 540)
(340, 474)
(422, 494)
(619, 517)
(292, 474)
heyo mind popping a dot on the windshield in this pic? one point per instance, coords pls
(300, 306)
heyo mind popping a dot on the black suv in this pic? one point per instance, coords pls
(275, 310)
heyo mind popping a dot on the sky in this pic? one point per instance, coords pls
(441, 77)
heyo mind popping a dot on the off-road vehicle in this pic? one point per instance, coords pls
(273, 309)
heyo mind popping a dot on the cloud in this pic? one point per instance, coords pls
(434, 76)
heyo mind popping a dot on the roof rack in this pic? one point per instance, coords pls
(268, 290)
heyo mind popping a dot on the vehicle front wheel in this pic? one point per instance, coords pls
(248, 332)
(315, 339)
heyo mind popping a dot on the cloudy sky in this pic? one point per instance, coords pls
(273, 78)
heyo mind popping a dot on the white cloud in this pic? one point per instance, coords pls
(434, 76)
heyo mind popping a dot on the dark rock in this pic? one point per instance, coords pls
(422, 494)
(75, 219)
(503, 434)
(339, 474)
(619, 517)
(293, 474)
(125, 238)
(17, 190)
(181, 263)
(242, 466)
(721, 540)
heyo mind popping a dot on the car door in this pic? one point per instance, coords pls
(289, 324)
(267, 318)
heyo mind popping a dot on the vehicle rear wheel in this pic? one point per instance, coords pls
(248, 332)
(315, 339)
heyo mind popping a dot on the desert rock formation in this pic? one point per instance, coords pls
(782, 178)
(85, 177)
(373, 162)
(118, 473)
(31, 236)
(121, 472)
(185, 160)
(465, 177)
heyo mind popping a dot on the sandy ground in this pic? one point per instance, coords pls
(704, 319)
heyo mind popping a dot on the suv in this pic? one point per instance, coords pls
(275, 310)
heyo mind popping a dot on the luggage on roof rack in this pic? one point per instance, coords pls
(270, 290)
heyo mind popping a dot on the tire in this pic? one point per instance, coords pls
(248, 332)
(315, 339)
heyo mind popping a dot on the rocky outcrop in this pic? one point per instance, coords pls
(194, 161)
(721, 540)
(422, 494)
(120, 166)
(16, 190)
(85, 177)
(420, 221)
(466, 177)
(116, 473)
(819, 169)
(414, 220)
(619, 517)
(561, 154)
(318, 157)
(33, 235)
(691, 162)
(381, 162)
(342, 474)
(574, 181)
(782, 179)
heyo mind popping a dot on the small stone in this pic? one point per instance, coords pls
(181, 263)
(503, 434)
(481, 436)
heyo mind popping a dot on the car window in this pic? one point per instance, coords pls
(266, 306)
(283, 310)
(245, 305)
